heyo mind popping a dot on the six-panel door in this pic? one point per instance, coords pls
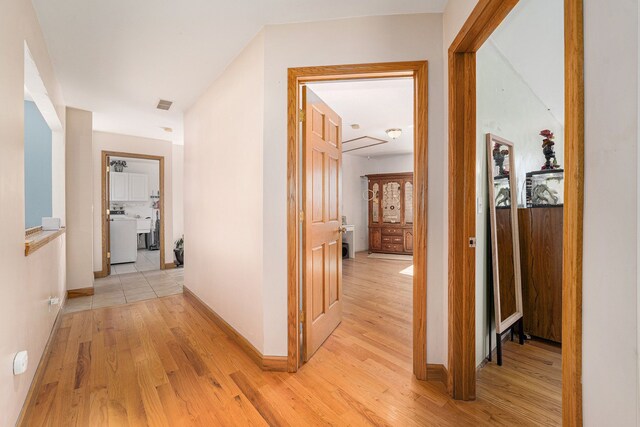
(322, 132)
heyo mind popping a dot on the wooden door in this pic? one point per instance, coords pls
(322, 145)
(107, 222)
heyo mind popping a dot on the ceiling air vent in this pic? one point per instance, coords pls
(163, 104)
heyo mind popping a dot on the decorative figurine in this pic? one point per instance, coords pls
(548, 150)
(543, 195)
(503, 197)
(118, 165)
(498, 157)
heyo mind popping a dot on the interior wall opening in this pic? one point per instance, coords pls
(316, 189)
(519, 211)
(134, 214)
(376, 142)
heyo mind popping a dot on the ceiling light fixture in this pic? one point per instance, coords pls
(355, 126)
(394, 133)
(166, 129)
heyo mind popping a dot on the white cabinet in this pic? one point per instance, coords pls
(128, 187)
(118, 187)
(138, 187)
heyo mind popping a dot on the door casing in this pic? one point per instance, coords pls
(418, 70)
(483, 20)
(106, 270)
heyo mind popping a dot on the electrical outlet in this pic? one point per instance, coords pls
(53, 301)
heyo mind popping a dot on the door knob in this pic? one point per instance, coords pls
(342, 229)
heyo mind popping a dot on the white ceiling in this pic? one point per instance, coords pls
(376, 105)
(117, 58)
(532, 39)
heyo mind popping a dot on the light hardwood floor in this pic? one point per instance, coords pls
(163, 362)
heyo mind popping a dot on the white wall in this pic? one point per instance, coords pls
(354, 206)
(104, 141)
(244, 143)
(357, 40)
(609, 370)
(354, 184)
(177, 173)
(80, 213)
(507, 107)
(27, 282)
(223, 194)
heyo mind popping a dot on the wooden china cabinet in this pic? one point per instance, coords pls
(391, 213)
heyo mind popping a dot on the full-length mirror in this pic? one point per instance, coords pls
(504, 232)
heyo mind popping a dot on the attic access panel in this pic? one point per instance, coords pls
(361, 143)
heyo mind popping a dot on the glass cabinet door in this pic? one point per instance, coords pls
(391, 202)
(408, 202)
(375, 202)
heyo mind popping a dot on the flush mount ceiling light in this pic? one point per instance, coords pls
(166, 129)
(355, 126)
(394, 133)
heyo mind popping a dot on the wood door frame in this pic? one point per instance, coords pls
(104, 156)
(418, 70)
(484, 19)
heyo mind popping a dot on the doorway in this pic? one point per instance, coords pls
(132, 197)
(301, 208)
(484, 19)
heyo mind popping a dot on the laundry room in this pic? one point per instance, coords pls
(135, 214)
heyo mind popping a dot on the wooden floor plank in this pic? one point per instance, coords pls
(164, 362)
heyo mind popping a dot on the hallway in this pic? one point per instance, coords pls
(163, 362)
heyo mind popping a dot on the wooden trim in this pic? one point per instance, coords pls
(266, 363)
(390, 175)
(105, 205)
(484, 19)
(274, 363)
(80, 292)
(481, 23)
(169, 266)
(418, 70)
(437, 372)
(38, 377)
(573, 214)
(31, 231)
(104, 198)
(462, 153)
(37, 239)
(99, 274)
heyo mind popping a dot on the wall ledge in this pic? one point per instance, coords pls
(35, 238)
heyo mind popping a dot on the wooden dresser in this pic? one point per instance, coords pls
(391, 213)
(541, 266)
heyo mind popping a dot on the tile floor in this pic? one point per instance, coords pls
(147, 261)
(129, 287)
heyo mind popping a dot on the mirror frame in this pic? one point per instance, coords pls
(502, 326)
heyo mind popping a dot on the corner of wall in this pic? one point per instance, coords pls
(79, 198)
